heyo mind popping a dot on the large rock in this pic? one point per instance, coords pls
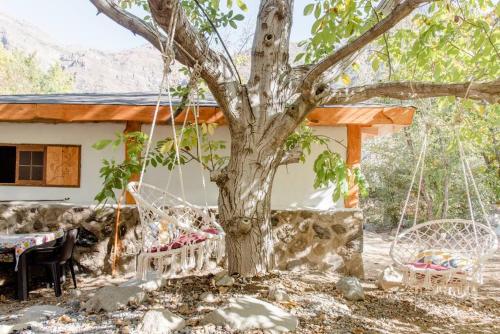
(160, 322)
(389, 278)
(246, 313)
(351, 288)
(31, 317)
(112, 298)
(40, 312)
(277, 293)
(225, 280)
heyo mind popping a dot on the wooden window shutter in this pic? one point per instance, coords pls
(63, 166)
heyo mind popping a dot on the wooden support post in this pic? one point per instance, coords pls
(353, 161)
(131, 126)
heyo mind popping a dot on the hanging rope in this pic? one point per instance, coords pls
(421, 177)
(198, 140)
(168, 56)
(483, 210)
(151, 131)
(419, 162)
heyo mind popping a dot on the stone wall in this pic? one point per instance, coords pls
(318, 239)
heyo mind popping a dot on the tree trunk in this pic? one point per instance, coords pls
(245, 202)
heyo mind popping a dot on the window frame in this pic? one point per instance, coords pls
(30, 148)
(40, 148)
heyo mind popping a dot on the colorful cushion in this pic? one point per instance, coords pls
(440, 260)
(431, 266)
(183, 240)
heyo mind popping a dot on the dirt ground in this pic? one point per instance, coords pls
(319, 307)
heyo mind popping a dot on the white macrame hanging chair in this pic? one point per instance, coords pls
(445, 255)
(178, 237)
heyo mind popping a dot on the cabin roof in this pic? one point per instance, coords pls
(132, 99)
(140, 107)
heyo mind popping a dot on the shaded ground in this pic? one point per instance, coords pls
(319, 307)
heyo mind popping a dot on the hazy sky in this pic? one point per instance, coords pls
(74, 22)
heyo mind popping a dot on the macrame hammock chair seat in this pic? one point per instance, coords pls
(177, 237)
(446, 255)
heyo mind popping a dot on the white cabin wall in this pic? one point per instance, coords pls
(84, 134)
(293, 186)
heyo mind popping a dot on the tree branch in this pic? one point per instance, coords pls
(484, 91)
(216, 69)
(399, 12)
(189, 46)
(269, 58)
(137, 26)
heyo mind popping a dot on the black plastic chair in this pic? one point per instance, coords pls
(57, 258)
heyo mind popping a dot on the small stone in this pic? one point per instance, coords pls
(225, 280)
(119, 322)
(65, 319)
(223, 289)
(278, 294)
(160, 322)
(75, 293)
(184, 309)
(358, 330)
(389, 279)
(351, 288)
(74, 304)
(220, 274)
(192, 322)
(125, 330)
(208, 297)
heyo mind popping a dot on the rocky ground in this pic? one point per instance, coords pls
(312, 298)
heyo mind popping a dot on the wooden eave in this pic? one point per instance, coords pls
(365, 116)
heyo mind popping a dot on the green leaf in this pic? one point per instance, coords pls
(317, 11)
(102, 144)
(241, 4)
(346, 79)
(238, 17)
(308, 9)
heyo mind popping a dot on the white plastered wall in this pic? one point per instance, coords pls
(84, 134)
(293, 186)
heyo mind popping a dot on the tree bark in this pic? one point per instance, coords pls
(245, 203)
(246, 182)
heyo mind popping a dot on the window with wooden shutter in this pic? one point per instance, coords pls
(40, 165)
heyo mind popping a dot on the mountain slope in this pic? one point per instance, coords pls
(133, 70)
